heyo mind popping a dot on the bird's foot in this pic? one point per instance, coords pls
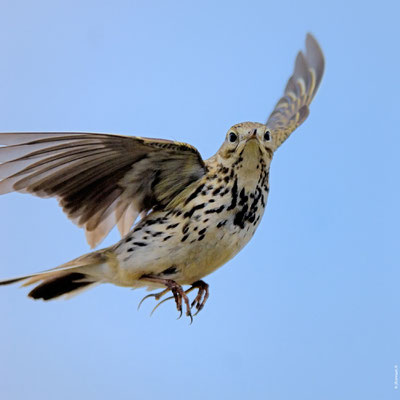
(202, 295)
(178, 294)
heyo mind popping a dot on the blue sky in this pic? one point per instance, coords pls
(310, 308)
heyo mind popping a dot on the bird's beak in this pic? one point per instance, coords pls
(253, 136)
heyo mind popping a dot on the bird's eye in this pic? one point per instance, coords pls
(232, 137)
(267, 136)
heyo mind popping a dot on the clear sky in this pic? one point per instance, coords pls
(310, 308)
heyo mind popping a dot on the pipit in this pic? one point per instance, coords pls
(194, 214)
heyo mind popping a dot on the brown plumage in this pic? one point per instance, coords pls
(292, 109)
(99, 179)
(196, 214)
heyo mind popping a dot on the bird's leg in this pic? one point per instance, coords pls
(202, 295)
(178, 293)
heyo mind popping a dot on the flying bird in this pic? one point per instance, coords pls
(193, 215)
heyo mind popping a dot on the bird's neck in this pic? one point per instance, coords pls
(248, 172)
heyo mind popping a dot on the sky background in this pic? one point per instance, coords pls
(310, 308)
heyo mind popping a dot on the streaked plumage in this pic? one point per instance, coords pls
(195, 214)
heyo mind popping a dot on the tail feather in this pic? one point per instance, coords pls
(67, 279)
(52, 288)
(14, 280)
(54, 284)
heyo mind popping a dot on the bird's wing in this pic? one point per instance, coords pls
(99, 179)
(292, 109)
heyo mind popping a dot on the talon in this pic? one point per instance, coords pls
(196, 301)
(159, 304)
(178, 301)
(202, 295)
(199, 308)
(157, 296)
(179, 295)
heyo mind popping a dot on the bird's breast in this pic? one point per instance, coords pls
(208, 228)
(222, 218)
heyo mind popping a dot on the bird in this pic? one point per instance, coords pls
(180, 217)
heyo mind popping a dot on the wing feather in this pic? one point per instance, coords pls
(293, 108)
(126, 215)
(99, 179)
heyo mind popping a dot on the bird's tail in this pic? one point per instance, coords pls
(68, 279)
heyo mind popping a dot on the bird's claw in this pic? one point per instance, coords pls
(202, 295)
(159, 304)
(157, 296)
(180, 296)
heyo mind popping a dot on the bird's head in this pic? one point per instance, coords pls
(249, 141)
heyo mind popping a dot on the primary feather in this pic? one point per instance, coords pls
(99, 179)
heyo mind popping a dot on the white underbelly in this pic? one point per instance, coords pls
(185, 249)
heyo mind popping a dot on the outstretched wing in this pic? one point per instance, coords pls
(292, 109)
(99, 179)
